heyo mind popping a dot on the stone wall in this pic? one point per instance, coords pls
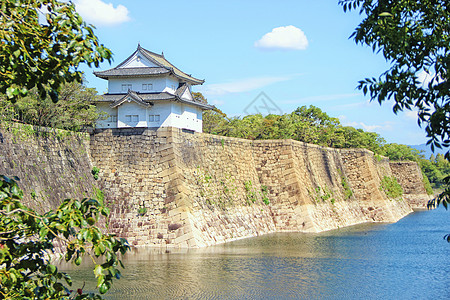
(52, 165)
(410, 177)
(175, 188)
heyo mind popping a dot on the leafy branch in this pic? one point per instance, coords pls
(28, 237)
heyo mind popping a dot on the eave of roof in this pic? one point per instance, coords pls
(202, 105)
(131, 96)
(152, 97)
(131, 72)
(163, 62)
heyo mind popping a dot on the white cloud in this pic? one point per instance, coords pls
(100, 13)
(425, 78)
(370, 127)
(411, 114)
(384, 126)
(240, 86)
(285, 38)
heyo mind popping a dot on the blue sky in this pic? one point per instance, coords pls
(295, 51)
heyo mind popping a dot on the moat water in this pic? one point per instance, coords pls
(405, 260)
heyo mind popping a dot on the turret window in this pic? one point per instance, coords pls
(147, 86)
(131, 118)
(154, 118)
(126, 87)
(112, 118)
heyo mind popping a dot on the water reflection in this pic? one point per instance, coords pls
(406, 260)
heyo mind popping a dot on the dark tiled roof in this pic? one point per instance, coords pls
(181, 89)
(131, 72)
(117, 99)
(131, 96)
(144, 97)
(157, 59)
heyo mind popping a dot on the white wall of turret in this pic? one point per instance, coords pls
(164, 114)
(137, 61)
(143, 85)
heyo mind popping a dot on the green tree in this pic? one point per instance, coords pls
(400, 152)
(305, 124)
(314, 126)
(44, 55)
(213, 121)
(27, 238)
(432, 172)
(73, 111)
(414, 37)
(198, 97)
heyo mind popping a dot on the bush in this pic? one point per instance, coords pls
(26, 239)
(95, 172)
(391, 187)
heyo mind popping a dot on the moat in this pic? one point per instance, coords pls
(403, 260)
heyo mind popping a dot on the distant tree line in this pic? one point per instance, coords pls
(305, 124)
(74, 111)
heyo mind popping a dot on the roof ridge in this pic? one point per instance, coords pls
(181, 89)
(122, 63)
(131, 94)
(152, 52)
(158, 60)
(149, 57)
(171, 66)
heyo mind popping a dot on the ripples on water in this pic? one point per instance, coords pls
(405, 260)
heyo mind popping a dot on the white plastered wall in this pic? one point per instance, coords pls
(107, 123)
(162, 110)
(185, 116)
(115, 85)
(131, 109)
(171, 85)
(138, 61)
(160, 84)
(170, 114)
(187, 95)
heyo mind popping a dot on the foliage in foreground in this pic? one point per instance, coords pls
(27, 237)
(38, 54)
(414, 37)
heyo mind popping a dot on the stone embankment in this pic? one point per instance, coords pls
(52, 165)
(410, 178)
(172, 188)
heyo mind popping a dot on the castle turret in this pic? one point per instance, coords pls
(146, 90)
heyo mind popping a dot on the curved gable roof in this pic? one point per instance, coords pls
(131, 96)
(164, 67)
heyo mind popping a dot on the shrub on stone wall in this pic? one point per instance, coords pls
(391, 187)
